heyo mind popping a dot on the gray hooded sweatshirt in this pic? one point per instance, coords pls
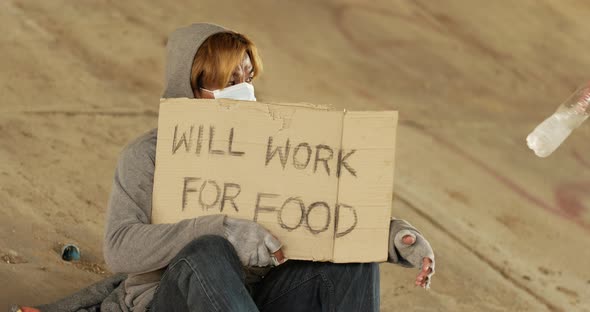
(132, 245)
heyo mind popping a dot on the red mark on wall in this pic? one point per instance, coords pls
(569, 198)
(568, 195)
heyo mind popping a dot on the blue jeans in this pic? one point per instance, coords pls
(207, 276)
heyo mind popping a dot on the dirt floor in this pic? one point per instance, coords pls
(79, 79)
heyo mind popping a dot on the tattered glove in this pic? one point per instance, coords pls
(252, 242)
(407, 247)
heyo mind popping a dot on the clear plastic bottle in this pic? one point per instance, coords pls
(548, 135)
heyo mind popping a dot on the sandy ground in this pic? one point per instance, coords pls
(79, 79)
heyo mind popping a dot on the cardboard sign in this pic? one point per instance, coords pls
(321, 181)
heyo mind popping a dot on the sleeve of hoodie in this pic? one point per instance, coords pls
(132, 244)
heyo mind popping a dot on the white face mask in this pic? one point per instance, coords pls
(241, 91)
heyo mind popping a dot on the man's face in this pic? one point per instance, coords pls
(242, 73)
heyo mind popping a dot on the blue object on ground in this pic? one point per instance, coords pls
(70, 252)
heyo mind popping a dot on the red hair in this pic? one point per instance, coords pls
(217, 58)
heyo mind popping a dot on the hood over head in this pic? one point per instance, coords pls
(181, 48)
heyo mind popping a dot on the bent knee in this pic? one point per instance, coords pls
(207, 244)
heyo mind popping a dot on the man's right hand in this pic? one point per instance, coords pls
(253, 243)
